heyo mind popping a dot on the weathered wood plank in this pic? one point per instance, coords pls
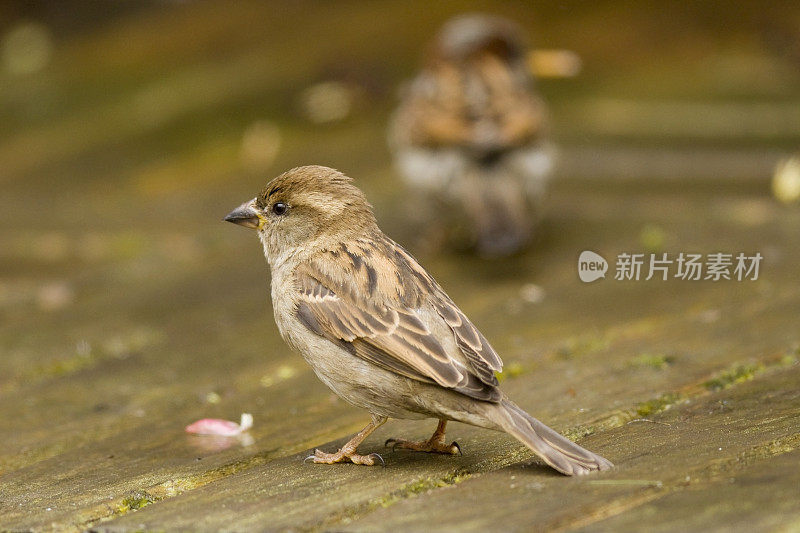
(759, 496)
(685, 456)
(690, 447)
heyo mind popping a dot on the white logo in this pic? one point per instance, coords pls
(715, 266)
(591, 266)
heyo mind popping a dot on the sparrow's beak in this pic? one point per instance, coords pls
(245, 215)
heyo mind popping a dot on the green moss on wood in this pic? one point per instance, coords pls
(738, 373)
(650, 360)
(135, 501)
(659, 404)
(409, 490)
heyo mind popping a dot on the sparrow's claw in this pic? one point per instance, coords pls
(429, 446)
(457, 447)
(379, 458)
(343, 456)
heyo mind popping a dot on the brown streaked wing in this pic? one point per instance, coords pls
(396, 340)
(483, 360)
(480, 354)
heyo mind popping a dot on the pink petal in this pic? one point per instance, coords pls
(216, 426)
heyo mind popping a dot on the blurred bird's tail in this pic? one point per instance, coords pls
(557, 451)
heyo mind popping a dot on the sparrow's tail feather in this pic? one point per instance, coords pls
(557, 451)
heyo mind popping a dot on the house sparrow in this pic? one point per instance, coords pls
(470, 134)
(375, 326)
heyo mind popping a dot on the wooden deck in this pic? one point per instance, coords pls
(129, 310)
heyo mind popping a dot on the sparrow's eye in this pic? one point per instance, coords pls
(279, 208)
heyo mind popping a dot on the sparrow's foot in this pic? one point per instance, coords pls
(429, 446)
(347, 453)
(435, 444)
(345, 456)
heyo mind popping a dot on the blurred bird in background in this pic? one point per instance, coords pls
(470, 137)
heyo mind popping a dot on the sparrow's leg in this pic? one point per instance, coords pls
(435, 444)
(347, 453)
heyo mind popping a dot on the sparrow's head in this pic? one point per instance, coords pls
(467, 36)
(304, 208)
